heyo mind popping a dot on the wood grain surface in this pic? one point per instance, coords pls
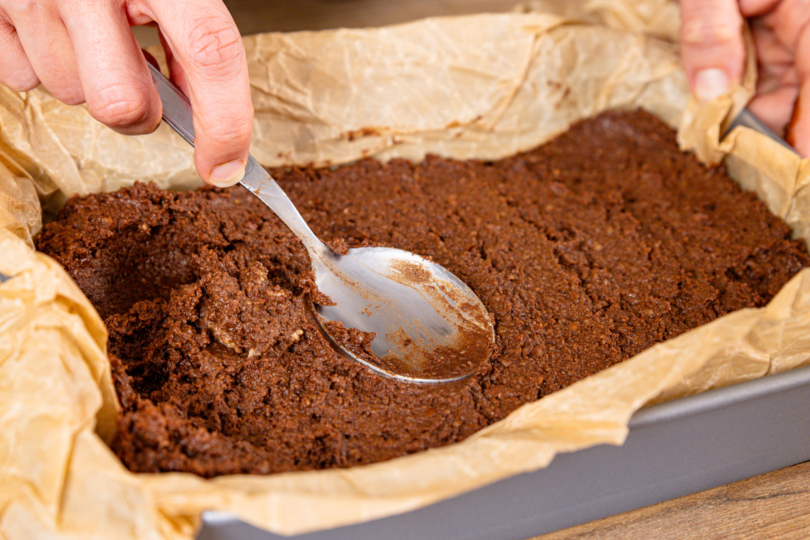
(774, 505)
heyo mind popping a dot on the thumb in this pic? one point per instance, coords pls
(712, 46)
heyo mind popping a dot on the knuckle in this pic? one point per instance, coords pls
(214, 44)
(119, 107)
(706, 28)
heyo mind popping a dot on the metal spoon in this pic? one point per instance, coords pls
(428, 325)
(747, 119)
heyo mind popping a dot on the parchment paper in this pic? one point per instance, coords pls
(479, 86)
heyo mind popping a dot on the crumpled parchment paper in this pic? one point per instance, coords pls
(478, 86)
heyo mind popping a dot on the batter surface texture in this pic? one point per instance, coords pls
(586, 251)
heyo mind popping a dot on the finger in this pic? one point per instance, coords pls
(48, 48)
(206, 44)
(712, 46)
(772, 53)
(117, 85)
(789, 20)
(16, 71)
(798, 132)
(799, 128)
(777, 81)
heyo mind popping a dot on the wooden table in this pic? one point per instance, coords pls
(774, 505)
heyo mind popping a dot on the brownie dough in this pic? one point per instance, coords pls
(586, 251)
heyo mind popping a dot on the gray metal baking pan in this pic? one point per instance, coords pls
(673, 449)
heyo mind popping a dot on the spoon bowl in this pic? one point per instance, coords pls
(428, 325)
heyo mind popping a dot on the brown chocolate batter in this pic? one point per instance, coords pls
(587, 251)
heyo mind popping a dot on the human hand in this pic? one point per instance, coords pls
(714, 57)
(84, 51)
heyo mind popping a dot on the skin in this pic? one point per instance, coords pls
(84, 51)
(711, 39)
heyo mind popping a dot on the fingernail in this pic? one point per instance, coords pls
(711, 83)
(228, 174)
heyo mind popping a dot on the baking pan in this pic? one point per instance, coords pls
(673, 449)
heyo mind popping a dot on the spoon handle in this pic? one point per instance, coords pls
(176, 106)
(259, 182)
(178, 114)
